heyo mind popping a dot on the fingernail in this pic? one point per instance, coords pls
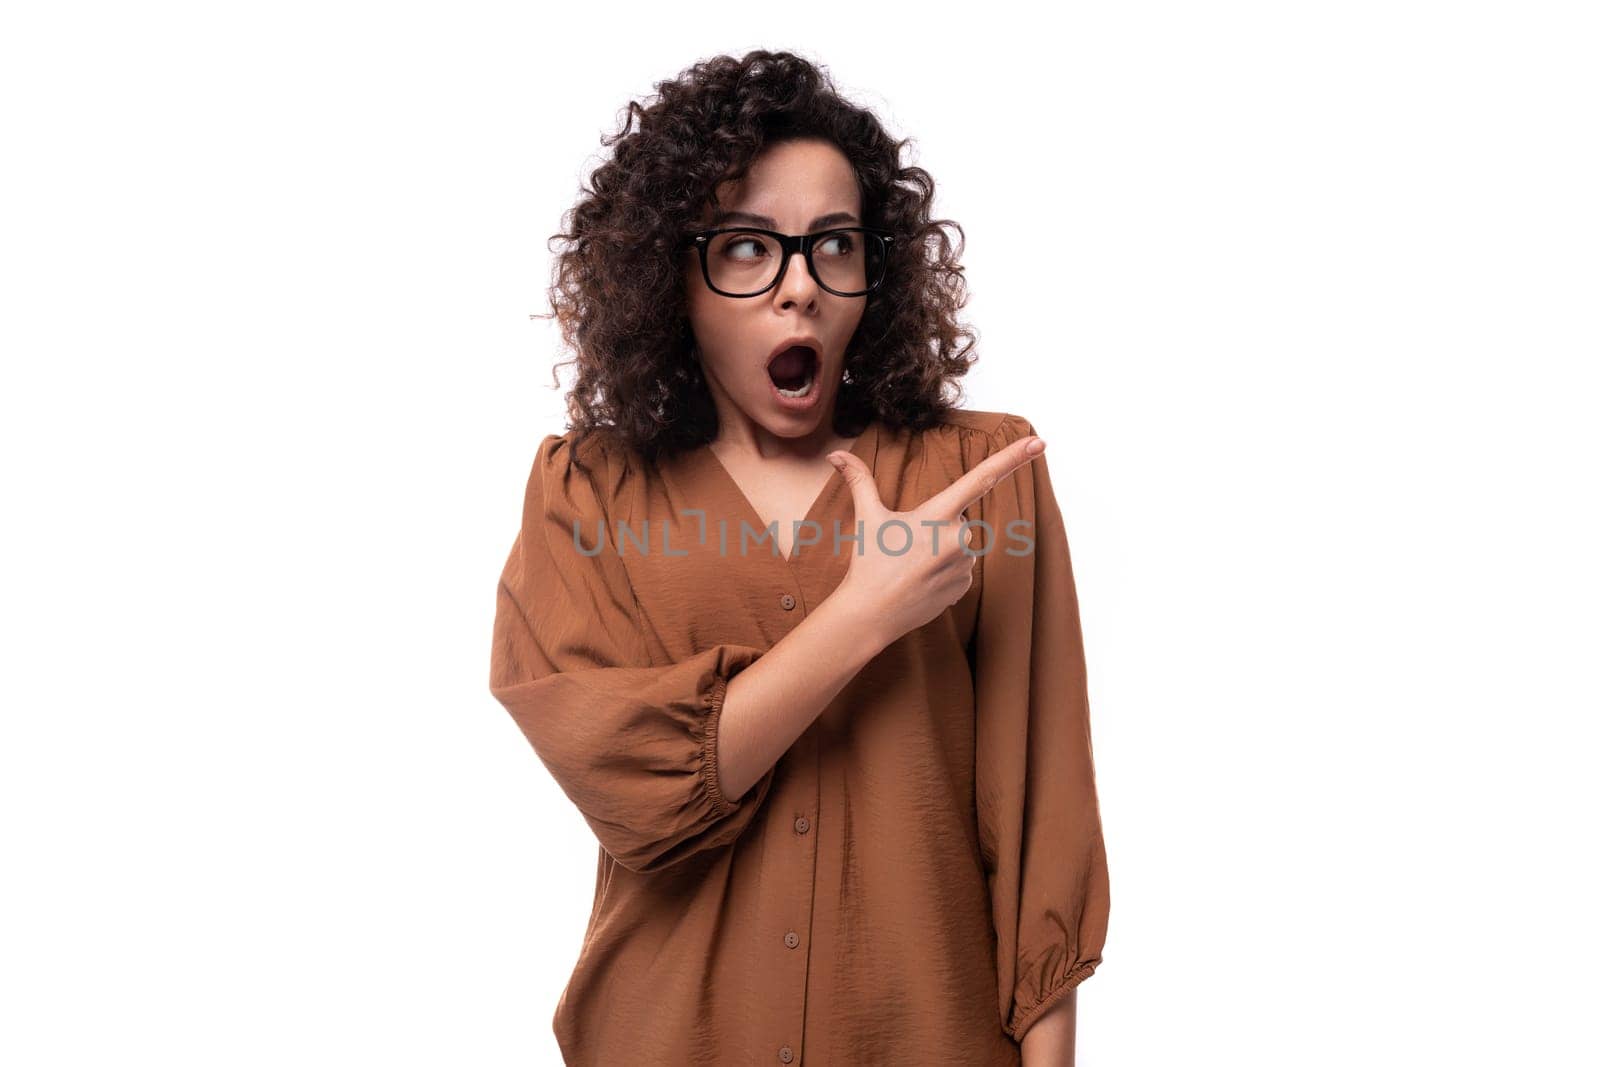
(1035, 446)
(835, 460)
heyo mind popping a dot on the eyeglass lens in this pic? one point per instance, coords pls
(847, 261)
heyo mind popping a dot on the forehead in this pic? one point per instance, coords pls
(792, 183)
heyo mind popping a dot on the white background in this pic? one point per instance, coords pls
(1303, 298)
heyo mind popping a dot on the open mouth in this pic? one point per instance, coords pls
(794, 370)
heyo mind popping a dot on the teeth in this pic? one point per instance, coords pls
(800, 392)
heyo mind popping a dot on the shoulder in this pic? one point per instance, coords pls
(975, 435)
(576, 477)
(970, 437)
(563, 453)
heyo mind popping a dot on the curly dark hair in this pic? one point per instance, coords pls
(617, 287)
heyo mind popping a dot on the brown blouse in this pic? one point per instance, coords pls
(918, 877)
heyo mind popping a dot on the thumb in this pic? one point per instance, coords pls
(863, 487)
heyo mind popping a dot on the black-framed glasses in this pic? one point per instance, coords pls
(742, 261)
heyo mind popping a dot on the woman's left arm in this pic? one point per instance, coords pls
(1038, 812)
(1052, 1041)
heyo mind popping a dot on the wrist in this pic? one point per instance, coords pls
(856, 618)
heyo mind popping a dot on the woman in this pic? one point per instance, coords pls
(844, 789)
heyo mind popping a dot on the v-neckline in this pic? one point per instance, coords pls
(864, 448)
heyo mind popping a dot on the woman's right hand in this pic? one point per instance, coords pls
(896, 593)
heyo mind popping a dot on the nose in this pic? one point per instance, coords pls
(797, 283)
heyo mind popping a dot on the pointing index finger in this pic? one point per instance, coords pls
(980, 480)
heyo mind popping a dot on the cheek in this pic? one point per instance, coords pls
(854, 313)
(705, 308)
(709, 322)
(718, 333)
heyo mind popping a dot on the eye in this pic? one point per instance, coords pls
(754, 247)
(837, 244)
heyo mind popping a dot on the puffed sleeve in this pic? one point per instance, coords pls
(632, 744)
(1038, 812)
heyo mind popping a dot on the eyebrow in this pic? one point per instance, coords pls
(772, 224)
